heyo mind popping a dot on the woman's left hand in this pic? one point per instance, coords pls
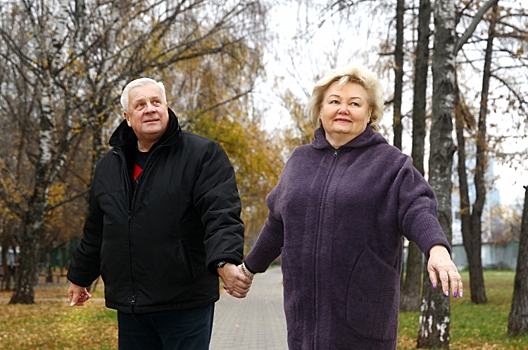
(440, 266)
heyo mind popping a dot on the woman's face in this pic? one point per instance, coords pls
(345, 113)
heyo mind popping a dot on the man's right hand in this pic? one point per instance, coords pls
(78, 295)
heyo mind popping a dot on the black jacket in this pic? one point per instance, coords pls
(156, 248)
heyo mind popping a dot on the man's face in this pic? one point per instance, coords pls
(147, 113)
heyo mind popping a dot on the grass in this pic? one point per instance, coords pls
(55, 325)
(474, 326)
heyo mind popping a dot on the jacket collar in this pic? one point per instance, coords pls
(124, 136)
(368, 138)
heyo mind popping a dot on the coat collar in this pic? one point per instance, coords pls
(368, 138)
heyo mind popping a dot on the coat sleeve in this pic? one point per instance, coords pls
(85, 263)
(217, 200)
(271, 239)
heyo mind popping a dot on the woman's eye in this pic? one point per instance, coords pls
(334, 102)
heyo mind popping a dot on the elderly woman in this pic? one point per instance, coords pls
(339, 214)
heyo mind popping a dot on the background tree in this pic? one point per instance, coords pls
(473, 234)
(435, 309)
(500, 49)
(411, 287)
(71, 69)
(517, 321)
(398, 75)
(505, 223)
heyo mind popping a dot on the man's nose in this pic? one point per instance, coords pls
(150, 107)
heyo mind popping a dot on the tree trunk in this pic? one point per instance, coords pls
(398, 75)
(49, 268)
(474, 246)
(6, 283)
(518, 320)
(435, 310)
(27, 277)
(410, 293)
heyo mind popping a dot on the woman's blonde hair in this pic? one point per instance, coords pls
(353, 73)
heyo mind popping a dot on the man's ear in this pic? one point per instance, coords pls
(127, 117)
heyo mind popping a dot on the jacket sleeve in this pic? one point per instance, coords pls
(271, 239)
(217, 200)
(85, 263)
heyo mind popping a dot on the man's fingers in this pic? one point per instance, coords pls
(79, 298)
(74, 299)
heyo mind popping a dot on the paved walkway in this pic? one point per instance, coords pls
(254, 323)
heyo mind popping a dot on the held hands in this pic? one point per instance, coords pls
(235, 282)
(78, 295)
(440, 266)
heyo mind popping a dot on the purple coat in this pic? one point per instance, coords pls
(338, 217)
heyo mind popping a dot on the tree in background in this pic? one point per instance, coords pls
(497, 39)
(64, 68)
(435, 310)
(411, 287)
(505, 224)
(472, 218)
(518, 322)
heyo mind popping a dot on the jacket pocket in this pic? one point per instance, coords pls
(373, 298)
(184, 253)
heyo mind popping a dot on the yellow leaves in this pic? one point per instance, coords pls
(56, 325)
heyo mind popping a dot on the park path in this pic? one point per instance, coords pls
(254, 323)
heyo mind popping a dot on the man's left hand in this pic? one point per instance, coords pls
(235, 283)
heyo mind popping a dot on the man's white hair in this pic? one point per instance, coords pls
(140, 82)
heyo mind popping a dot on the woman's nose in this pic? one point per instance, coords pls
(343, 108)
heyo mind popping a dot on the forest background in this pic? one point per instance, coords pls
(240, 72)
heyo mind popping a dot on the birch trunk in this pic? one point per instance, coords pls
(50, 158)
(435, 309)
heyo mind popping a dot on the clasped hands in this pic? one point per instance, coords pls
(236, 283)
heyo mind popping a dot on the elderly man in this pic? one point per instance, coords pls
(163, 224)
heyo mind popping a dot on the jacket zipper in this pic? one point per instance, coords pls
(317, 241)
(130, 206)
(129, 200)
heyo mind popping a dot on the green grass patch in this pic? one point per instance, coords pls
(474, 326)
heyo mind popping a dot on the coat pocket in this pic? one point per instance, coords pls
(373, 298)
(186, 261)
